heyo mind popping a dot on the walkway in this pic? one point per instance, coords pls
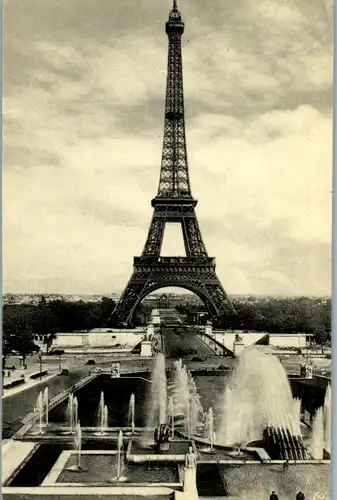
(181, 342)
(27, 385)
(17, 406)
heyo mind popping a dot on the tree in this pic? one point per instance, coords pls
(107, 306)
(321, 337)
(44, 322)
(17, 332)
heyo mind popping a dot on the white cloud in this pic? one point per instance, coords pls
(84, 136)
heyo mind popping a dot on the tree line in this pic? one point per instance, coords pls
(275, 315)
(21, 322)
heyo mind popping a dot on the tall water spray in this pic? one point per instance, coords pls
(181, 389)
(100, 411)
(72, 412)
(75, 411)
(77, 449)
(39, 408)
(187, 406)
(102, 414)
(210, 427)
(78, 443)
(297, 403)
(120, 460)
(327, 418)
(257, 395)
(158, 397)
(197, 411)
(46, 404)
(132, 413)
(317, 438)
(188, 420)
(171, 415)
(209, 431)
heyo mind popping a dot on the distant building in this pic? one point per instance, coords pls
(281, 340)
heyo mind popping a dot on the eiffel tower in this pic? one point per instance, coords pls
(174, 203)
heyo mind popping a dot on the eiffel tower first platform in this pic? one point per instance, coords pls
(174, 203)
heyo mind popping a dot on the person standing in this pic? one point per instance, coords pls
(300, 496)
(273, 496)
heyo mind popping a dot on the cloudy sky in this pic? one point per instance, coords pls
(83, 122)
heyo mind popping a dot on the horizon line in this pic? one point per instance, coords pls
(167, 293)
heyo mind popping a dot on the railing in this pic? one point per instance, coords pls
(218, 348)
(174, 260)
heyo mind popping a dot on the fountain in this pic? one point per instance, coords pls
(78, 444)
(141, 467)
(75, 417)
(131, 416)
(210, 431)
(171, 415)
(46, 404)
(157, 403)
(297, 403)
(72, 413)
(327, 419)
(196, 409)
(158, 394)
(186, 400)
(317, 438)
(132, 412)
(246, 417)
(120, 461)
(103, 418)
(188, 427)
(39, 409)
(77, 467)
(180, 392)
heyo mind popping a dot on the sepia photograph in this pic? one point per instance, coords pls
(167, 229)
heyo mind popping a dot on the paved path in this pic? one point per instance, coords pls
(16, 407)
(27, 385)
(180, 341)
(184, 343)
(21, 402)
(31, 369)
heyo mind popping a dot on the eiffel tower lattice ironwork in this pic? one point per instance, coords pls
(173, 203)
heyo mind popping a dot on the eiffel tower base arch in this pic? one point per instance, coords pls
(197, 277)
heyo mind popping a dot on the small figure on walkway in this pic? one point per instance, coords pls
(190, 459)
(273, 496)
(300, 496)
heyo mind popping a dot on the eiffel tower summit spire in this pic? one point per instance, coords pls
(173, 203)
(174, 180)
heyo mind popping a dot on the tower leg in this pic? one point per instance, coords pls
(204, 283)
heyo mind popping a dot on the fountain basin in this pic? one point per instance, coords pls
(261, 479)
(61, 433)
(137, 453)
(100, 469)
